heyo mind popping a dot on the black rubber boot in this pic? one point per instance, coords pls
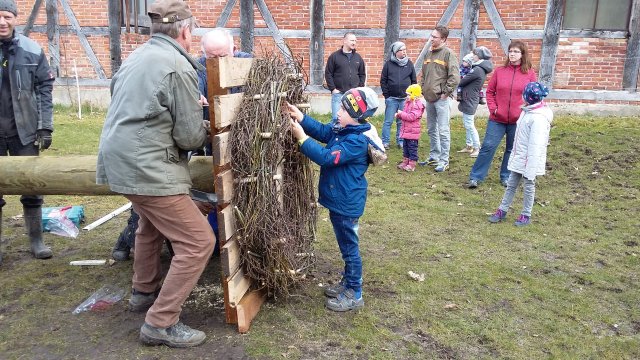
(33, 221)
(121, 250)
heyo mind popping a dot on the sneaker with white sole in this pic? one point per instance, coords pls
(475, 152)
(345, 301)
(334, 290)
(467, 149)
(429, 161)
(177, 336)
(441, 167)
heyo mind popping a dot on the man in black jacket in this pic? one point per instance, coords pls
(26, 111)
(345, 70)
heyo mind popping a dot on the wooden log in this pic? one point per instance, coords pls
(230, 258)
(224, 186)
(248, 308)
(392, 30)
(316, 43)
(219, 147)
(74, 175)
(226, 225)
(631, 63)
(550, 41)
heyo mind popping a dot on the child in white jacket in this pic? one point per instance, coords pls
(529, 154)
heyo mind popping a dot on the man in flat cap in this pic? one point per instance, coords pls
(154, 119)
(26, 112)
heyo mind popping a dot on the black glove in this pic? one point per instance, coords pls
(43, 139)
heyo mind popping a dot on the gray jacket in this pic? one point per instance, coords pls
(31, 87)
(153, 121)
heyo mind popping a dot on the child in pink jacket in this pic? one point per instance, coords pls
(410, 129)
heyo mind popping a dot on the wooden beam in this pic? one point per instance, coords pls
(550, 40)
(230, 258)
(224, 186)
(246, 25)
(226, 224)
(238, 285)
(226, 13)
(444, 20)
(469, 26)
(392, 28)
(498, 26)
(83, 39)
(226, 109)
(219, 147)
(316, 43)
(234, 71)
(74, 175)
(632, 60)
(275, 33)
(248, 308)
(53, 36)
(115, 48)
(32, 18)
(231, 316)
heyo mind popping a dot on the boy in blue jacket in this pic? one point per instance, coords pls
(342, 186)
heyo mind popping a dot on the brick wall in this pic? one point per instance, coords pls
(577, 60)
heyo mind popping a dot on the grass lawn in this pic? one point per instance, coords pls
(567, 286)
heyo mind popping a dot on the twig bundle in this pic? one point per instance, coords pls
(274, 195)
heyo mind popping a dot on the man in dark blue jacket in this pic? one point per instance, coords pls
(345, 70)
(342, 186)
(26, 111)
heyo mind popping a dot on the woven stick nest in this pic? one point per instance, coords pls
(274, 197)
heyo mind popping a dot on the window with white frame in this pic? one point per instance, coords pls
(610, 15)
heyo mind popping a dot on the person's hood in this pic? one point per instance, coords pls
(487, 65)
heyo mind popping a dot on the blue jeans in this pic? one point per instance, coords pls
(492, 138)
(472, 139)
(346, 231)
(392, 105)
(438, 117)
(335, 105)
(528, 193)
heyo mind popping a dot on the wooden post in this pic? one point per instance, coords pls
(392, 30)
(316, 43)
(53, 36)
(226, 13)
(32, 18)
(632, 62)
(275, 33)
(246, 25)
(498, 25)
(444, 20)
(550, 40)
(114, 35)
(469, 26)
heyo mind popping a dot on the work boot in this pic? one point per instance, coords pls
(33, 222)
(140, 301)
(404, 163)
(178, 335)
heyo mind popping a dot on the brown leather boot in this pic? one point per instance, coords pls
(33, 221)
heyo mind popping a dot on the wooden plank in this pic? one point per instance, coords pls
(226, 224)
(230, 258)
(234, 71)
(115, 50)
(248, 308)
(498, 26)
(316, 43)
(226, 13)
(238, 285)
(74, 175)
(469, 26)
(444, 20)
(392, 29)
(224, 186)
(226, 109)
(53, 36)
(221, 155)
(550, 40)
(83, 39)
(275, 33)
(32, 18)
(631, 62)
(246, 26)
(230, 313)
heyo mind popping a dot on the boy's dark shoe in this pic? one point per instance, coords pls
(472, 184)
(120, 254)
(177, 336)
(141, 302)
(498, 216)
(523, 220)
(334, 290)
(345, 301)
(429, 161)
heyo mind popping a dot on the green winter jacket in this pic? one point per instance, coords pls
(153, 121)
(440, 73)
